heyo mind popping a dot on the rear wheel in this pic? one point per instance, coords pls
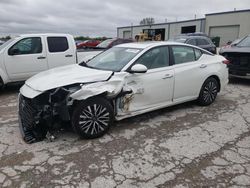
(92, 118)
(208, 92)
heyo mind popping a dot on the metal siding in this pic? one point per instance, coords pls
(226, 33)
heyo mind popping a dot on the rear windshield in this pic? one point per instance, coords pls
(245, 42)
(181, 40)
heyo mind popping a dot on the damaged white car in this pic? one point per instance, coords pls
(124, 81)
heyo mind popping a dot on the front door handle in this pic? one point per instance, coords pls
(203, 66)
(41, 57)
(168, 76)
(68, 55)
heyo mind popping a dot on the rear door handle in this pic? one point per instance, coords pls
(203, 66)
(168, 76)
(41, 57)
(68, 55)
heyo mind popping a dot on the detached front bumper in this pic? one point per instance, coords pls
(30, 128)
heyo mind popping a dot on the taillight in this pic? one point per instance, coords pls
(227, 62)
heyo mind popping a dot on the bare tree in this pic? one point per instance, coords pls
(147, 21)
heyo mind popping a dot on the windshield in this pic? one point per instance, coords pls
(105, 43)
(245, 42)
(6, 44)
(113, 59)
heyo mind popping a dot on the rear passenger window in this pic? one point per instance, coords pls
(198, 54)
(183, 54)
(57, 44)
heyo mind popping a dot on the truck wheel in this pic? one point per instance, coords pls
(93, 117)
(208, 92)
(1, 84)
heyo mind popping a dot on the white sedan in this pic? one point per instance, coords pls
(124, 81)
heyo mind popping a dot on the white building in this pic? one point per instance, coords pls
(228, 26)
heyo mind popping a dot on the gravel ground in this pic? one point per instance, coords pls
(182, 146)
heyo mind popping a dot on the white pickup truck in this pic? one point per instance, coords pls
(27, 55)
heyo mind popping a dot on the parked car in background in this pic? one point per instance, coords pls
(78, 41)
(124, 81)
(27, 55)
(229, 45)
(239, 58)
(109, 43)
(88, 44)
(1, 42)
(196, 40)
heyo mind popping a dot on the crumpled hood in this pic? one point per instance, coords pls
(66, 75)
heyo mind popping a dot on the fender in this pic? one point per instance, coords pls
(111, 88)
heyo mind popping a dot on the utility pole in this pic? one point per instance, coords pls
(131, 30)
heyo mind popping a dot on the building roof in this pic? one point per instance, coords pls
(156, 24)
(228, 12)
(166, 23)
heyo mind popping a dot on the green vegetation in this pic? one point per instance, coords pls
(5, 38)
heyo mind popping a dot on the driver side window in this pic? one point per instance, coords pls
(31, 45)
(155, 58)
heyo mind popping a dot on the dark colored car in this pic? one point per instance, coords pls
(229, 45)
(88, 44)
(1, 42)
(196, 40)
(239, 58)
(109, 43)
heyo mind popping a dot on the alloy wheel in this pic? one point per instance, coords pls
(94, 119)
(210, 92)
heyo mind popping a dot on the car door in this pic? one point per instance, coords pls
(60, 51)
(155, 87)
(25, 58)
(190, 72)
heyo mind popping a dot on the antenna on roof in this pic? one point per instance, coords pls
(234, 9)
(195, 16)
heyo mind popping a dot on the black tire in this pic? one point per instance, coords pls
(208, 92)
(93, 117)
(1, 84)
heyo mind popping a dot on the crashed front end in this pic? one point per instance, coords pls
(41, 116)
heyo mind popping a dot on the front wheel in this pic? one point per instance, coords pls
(208, 92)
(92, 118)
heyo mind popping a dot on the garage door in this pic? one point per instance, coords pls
(226, 33)
(126, 34)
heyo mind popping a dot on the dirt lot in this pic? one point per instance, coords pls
(181, 146)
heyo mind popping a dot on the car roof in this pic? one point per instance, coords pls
(44, 34)
(191, 36)
(143, 45)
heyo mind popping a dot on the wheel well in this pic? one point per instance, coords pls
(217, 79)
(103, 95)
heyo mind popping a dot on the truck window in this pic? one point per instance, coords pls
(57, 44)
(32, 45)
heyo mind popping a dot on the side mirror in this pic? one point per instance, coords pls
(138, 68)
(14, 51)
